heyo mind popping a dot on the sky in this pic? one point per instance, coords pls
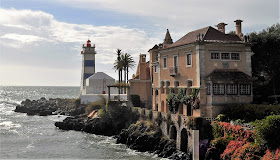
(41, 40)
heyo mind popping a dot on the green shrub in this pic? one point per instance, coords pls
(97, 104)
(249, 112)
(77, 102)
(135, 99)
(220, 143)
(194, 122)
(221, 117)
(114, 118)
(217, 130)
(267, 131)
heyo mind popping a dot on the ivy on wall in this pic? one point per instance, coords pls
(173, 100)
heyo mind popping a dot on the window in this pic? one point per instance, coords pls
(225, 56)
(235, 56)
(231, 89)
(208, 88)
(156, 68)
(189, 59)
(143, 58)
(89, 63)
(245, 89)
(218, 89)
(164, 62)
(215, 55)
(175, 60)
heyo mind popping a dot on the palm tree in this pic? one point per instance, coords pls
(118, 65)
(128, 63)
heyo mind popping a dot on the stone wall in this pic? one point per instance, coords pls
(174, 126)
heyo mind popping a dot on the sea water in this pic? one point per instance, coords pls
(30, 137)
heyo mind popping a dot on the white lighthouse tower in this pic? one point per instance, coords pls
(88, 63)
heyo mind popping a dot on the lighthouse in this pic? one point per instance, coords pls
(88, 63)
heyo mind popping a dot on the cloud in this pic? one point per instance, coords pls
(184, 16)
(22, 38)
(36, 39)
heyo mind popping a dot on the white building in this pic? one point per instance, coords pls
(95, 84)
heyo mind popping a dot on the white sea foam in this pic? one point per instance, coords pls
(132, 152)
(30, 146)
(9, 125)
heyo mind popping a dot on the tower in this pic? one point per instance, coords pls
(88, 63)
(167, 40)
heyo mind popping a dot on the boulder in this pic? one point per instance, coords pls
(45, 113)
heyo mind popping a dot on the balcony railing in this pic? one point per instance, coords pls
(173, 71)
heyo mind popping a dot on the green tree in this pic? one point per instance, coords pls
(266, 61)
(118, 65)
(127, 62)
(267, 131)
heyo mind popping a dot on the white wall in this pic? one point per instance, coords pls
(85, 99)
(95, 86)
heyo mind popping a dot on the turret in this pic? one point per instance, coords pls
(167, 40)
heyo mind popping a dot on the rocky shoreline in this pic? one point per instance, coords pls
(143, 138)
(137, 137)
(84, 124)
(44, 107)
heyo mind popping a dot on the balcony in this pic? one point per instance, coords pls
(173, 71)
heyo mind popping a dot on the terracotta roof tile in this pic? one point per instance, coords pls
(229, 74)
(210, 34)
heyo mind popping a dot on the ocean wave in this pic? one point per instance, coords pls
(10, 102)
(9, 125)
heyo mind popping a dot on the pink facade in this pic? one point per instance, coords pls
(217, 64)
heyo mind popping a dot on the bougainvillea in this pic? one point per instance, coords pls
(231, 148)
(239, 150)
(240, 143)
(236, 132)
(272, 155)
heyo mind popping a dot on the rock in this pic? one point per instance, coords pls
(169, 149)
(178, 155)
(122, 137)
(45, 113)
(141, 138)
(44, 107)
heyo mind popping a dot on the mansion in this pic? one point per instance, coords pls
(207, 59)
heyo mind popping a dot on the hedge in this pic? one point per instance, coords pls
(249, 112)
(267, 131)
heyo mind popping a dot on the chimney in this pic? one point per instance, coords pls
(221, 27)
(238, 28)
